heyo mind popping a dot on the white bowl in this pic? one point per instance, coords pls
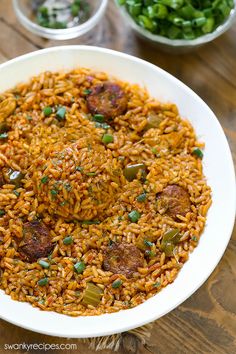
(178, 46)
(218, 167)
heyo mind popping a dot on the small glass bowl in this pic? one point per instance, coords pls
(23, 11)
(176, 46)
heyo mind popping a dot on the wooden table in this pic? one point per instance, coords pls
(206, 322)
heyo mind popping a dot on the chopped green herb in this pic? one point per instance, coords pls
(198, 153)
(4, 135)
(102, 125)
(77, 293)
(150, 253)
(41, 302)
(91, 174)
(63, 203)
(67, 186)
(107, 139)
(53, 192)
(134, 216)
(148, 243)
(154, 151)
(90, 222)
(47, 111)
(141, 198)
(157, 284)
(120, 218)
(79, 267)
(98, 118)
(43, 282)
(117, 283)
(87, 91)
(44, 179)
(79, 168)
(44, 264)
(121, 158)
(194, 238)
(16, 193)
(60, 114)
(68, 240)
(29, 118)
(2, 212)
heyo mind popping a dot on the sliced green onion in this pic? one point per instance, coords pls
(134, 216)
(63, 203)
(4, 136)
(44, 179)
(43, 264)
(2, 212)
(74, 10)
(199, 22)
(87, 92)
(102, 125)
(197, 152)
(116, 284)
(150, 253)
(107, 139)
(157, 284)
(79, 267)
(60, 114)
(47, 111)
(43, 282)
(148, 243)
(209, 25)
(53, 192)
(43, 11)
(16, 193)
(79, 168)
(68, 240)
(99, 118)
(141, 198)
(194, 238)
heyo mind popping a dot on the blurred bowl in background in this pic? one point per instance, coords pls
(177, 46)
(23, 10)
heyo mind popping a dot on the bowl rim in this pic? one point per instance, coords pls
(114, 322)
(65, 33)
(180, 42)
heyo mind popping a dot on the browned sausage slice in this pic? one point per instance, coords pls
(123, 258)
(107, 99)
(36, 241)
(173, 200)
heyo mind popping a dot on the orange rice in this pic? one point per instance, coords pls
(35, 141)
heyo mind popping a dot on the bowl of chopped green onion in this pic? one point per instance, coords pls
(59, 19)
(178, 25)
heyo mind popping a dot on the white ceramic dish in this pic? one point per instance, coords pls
(218, 167)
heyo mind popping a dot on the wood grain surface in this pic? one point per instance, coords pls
(206, 322)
